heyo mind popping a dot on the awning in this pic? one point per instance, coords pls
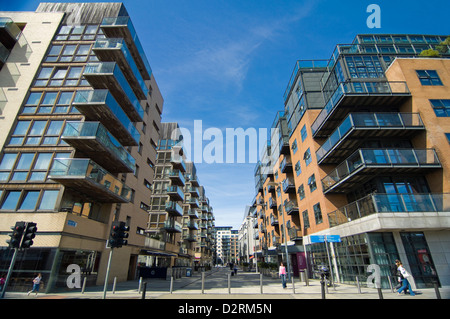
(156, 253)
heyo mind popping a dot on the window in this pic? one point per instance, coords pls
(428, 77)
(23, 167)
(59, 76)
(441, 107)
(447, 135)
(301, 192)
(318, 213)
(10, 201)
(6, 165)
(307, 157)
(30, 200)
(48, 201)
(312, 183)
(304, 133)
(294, 147)
(305, 219)
(298, 169)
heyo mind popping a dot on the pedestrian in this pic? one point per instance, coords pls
(405, 280)
(235, 269)
(2, 282)
(36, 284)
(398, 276)
(282, 274)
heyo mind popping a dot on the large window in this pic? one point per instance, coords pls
(37, 132)
(49, 103)
(29, 200)
(22, 167)
(429, 77)
(60, 76)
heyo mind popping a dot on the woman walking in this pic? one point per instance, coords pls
(36, 284)
(405, 280)
(282, 274)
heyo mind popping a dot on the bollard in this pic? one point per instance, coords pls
(322, 284)
(114, 285)
(140, 285)
(261, 283)
(380, 293)
(171, 284)
(144, 289)
(357, 285)
(229, 283)
(293, 284)
(390, 284)
(436, 289)
(203, 282)
(84, 285)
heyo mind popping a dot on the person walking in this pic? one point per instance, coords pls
(405, 279)
(282, 274)
(36, 284)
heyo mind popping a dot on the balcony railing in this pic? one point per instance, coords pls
(174, 208)
(357, 88)
(288, 185)
(177, 177)
(175, 192)
(291, 207)
(366, 121)
(104, 48)
(93, 139)
(294, 233)
(107, 75)
(122, 27)
(100, 105)
(390, 203)
(172, 226)
(88, 177)
(380, 158)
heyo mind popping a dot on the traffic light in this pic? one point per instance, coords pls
(119, 231)
(30, 233)
(16, 235)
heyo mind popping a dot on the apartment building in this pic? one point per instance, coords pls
(80, 122)
(181, 221)
(360, 151)
(227, 245)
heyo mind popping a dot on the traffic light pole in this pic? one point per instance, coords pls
(107, 273)
(8, 276)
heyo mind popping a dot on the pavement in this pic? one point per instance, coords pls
(218, 284)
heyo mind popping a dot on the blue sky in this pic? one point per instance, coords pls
(228, 63)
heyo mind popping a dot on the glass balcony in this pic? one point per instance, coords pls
(122, 27)
(286, 165)
(176, 177)
(272, 203)
(193, 180)
(390, 203)
(175, 193)
(9, 32)
(192, 224)
(357, 94)
(194, 192)
(178, 163)
(364, 163)
(294, 233)
(288, 186)
(190, 237)
(172, 226)
(87, 177)
(273, 220)
(94, 140)
(100, 105)
(192, 213)
(358, 126)
(116, 50)
(107, 75)
(174, 208)
(291, 207)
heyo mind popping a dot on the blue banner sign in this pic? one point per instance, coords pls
(323, 238)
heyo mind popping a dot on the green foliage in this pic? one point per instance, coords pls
(442, 47)
(430, 53)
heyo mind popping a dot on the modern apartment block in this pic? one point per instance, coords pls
(181, 224)
(361, 151)
(227, 245)
(80, 123)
